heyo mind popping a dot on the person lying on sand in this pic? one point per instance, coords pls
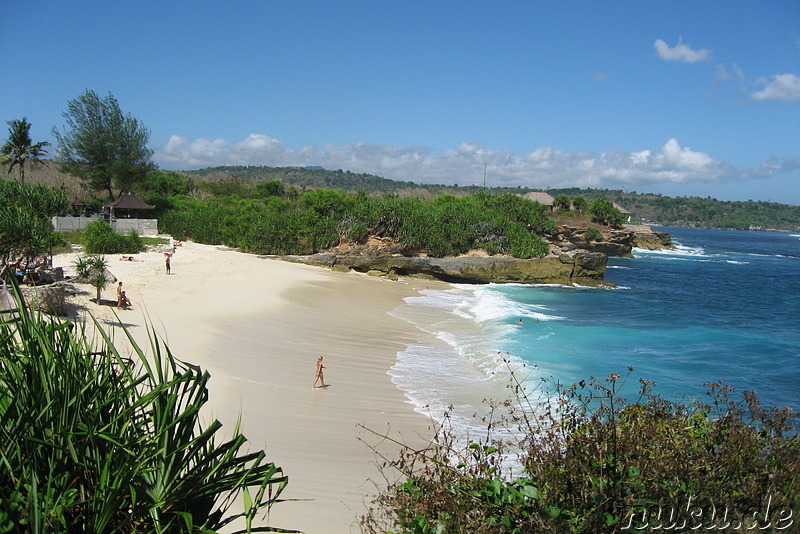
(128, 258)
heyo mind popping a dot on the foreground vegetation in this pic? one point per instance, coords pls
(25, 211)
(91, 441)
(589, 461)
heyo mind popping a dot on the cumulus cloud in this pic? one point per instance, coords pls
(256, 149)
(465, 163)
(780, 88)
(680, 52)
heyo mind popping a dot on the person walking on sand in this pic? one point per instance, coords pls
(166, 261)
(319, 376)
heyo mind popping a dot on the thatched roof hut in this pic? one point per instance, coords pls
(545, 199)
(128, 206)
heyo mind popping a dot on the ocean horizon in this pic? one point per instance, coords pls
(722, 306)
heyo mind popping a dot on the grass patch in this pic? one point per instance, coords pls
(76, 238)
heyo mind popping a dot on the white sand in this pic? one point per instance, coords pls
(258, 325)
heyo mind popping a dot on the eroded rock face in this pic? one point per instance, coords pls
(575, 267)
(653, 240)
(615, 242)
(573, 259)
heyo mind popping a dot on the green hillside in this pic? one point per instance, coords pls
(647, 207)
(643, 207)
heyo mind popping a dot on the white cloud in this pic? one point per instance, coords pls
(464, 164)
(728, 72)
(256, 149)
(199, 153)
(680, 52)
(782, 88)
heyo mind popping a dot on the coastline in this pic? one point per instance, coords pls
(257, 325)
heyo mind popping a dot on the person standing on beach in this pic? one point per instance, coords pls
(319, 376)
(167, 263)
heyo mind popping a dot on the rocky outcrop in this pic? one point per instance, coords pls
(572, 267)
(653, 240)
(618, 242)
(613, 243)
(48, 299)
(575, 258)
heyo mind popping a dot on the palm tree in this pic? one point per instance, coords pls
(19, 148)
(94, 270)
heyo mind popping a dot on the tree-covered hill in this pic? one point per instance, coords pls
(696, 211)
(647, 207)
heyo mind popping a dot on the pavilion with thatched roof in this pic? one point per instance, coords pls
(128, 206)
(545, 199)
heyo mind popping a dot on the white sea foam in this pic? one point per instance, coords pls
(463, 364)
(679, 250)
(480, 304)
(441, 384)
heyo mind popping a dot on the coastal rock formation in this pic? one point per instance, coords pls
(615, 242)
(573, 267)
(573, 259)
(653, 240)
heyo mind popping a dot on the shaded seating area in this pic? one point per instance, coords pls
(27, 271)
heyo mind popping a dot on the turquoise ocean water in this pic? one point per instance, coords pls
(724, 306)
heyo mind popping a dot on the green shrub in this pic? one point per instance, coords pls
(100, 238)
(591, 462)
(319, 219)
(270, 188)
(593, 234)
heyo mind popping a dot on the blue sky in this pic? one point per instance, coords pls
(679, 98)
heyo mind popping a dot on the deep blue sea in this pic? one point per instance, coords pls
(724, 306)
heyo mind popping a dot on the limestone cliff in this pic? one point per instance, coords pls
(574, 267)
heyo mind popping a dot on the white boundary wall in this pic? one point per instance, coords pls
(123, 226)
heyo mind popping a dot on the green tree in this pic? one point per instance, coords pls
(579, 204)
(94, 269)
(19, 147)
(25, 211)
(561, 202)
(604, 212)
(101, 145)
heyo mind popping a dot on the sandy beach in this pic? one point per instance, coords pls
(258, 325)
